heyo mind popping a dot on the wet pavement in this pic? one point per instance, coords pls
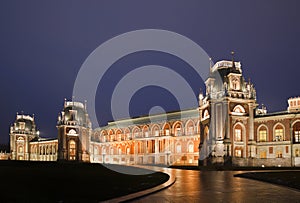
(219, 186)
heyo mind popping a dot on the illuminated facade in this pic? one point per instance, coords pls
(226, 128)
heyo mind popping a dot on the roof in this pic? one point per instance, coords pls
(146, 119)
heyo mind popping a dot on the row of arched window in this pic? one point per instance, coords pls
(155, 130)
(147, 147)
(278, 132)
(50, 149)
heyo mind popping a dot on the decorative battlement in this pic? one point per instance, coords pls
(294, 104)
(75, 104)
(26, 117)
(226, 64)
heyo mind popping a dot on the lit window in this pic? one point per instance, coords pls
(72, 132)
(22, 125)
(128, 150)
(167, 132)
(279, 134)
(20, 150)
(263, 154)
(297, 136)
(191, 148)
(191, 130)
(146, 134)
(238, 153)
(178, 131)
(279, 154)
(156, 133)
(178, 148)
(297, 152)
(238, 134)
(262, 135)
(72, 150)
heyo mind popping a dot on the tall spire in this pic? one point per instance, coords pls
(232, 58)
(210, 65)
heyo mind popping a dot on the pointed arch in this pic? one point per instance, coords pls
(155, 130)
(166, 129)
(190, 127)
(190, 147)
(239, 132)
(262, 133)
(145, 131)
(278, 132)
(177, 128)
(136, 131)
(119, 134)
(127, 134)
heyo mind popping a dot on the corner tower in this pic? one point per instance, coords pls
(74, 132)
(21, 133)
(227, 115)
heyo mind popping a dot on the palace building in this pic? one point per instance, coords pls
(228, 127)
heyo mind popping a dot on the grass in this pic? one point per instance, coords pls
(285, 178)
(23, 181)
(231, 168)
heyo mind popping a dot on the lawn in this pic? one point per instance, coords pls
(23, 181)
(285, 178)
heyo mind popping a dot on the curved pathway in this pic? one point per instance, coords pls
(218, 186)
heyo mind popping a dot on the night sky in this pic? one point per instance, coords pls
(44, 43)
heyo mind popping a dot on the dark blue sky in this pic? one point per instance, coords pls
(44, 43)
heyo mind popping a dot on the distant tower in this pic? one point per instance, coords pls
(74, 132)
(21, 133)
(227, 115)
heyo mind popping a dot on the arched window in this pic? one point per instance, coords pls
(166, 129)
(262, 134)
(190, 128)
(72, 150)
(191, 147)
(297, 153)
(146, 131)
(239, 109)
(155, 130)
(20, 149)
(238, 133)
(279, 132)
(296, 132)
(72, 132)
(95, 150)
(178, 148)
(136, 133)
(238, 152)
(177, 128)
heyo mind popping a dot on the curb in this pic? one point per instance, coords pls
(171, 181)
